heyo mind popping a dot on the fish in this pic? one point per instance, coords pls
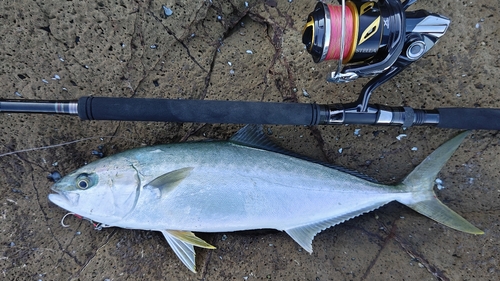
(245, 183)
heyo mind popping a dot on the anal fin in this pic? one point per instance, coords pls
(304, 235)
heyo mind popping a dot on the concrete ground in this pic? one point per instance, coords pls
(124, 49)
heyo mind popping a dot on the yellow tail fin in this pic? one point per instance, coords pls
(421, 182)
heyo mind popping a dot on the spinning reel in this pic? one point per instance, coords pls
(373, 38)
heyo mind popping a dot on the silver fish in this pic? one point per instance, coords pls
(245, 183)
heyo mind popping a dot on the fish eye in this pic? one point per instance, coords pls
(83, 181)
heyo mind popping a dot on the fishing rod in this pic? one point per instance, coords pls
(369, 39)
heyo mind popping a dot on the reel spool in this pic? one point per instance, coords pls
(372, 37)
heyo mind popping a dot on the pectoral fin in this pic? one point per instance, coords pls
(167, 182)
(182, 243)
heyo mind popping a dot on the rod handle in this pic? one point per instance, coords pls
(469, 118)
(198, 111)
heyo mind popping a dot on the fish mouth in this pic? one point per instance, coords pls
(64, 199)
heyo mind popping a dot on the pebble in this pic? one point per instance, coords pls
(439, 184)
(305, 93)
(54, 176)
(167, 12)
(401, 136)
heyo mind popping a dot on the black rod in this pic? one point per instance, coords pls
(245, 112)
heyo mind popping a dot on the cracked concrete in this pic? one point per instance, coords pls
(127, 49)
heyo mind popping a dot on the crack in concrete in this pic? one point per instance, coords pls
(142, 43)
(94, 254)
(45, 216)
(179, 40)
(226, 34)
(408, 248)
(276, 40)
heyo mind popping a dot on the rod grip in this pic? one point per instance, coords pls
(469, 118)
(197, 111)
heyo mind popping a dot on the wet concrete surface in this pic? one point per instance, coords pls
(126, 49)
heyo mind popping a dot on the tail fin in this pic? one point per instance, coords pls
(420, 182)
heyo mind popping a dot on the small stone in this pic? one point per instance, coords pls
(439, 184)
(167, 12)
(401, 136)
(305, 93)
(54, 176)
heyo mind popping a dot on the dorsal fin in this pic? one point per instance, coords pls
(254, 136)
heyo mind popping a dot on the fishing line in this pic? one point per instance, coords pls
(59, 145)
(336, 33)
